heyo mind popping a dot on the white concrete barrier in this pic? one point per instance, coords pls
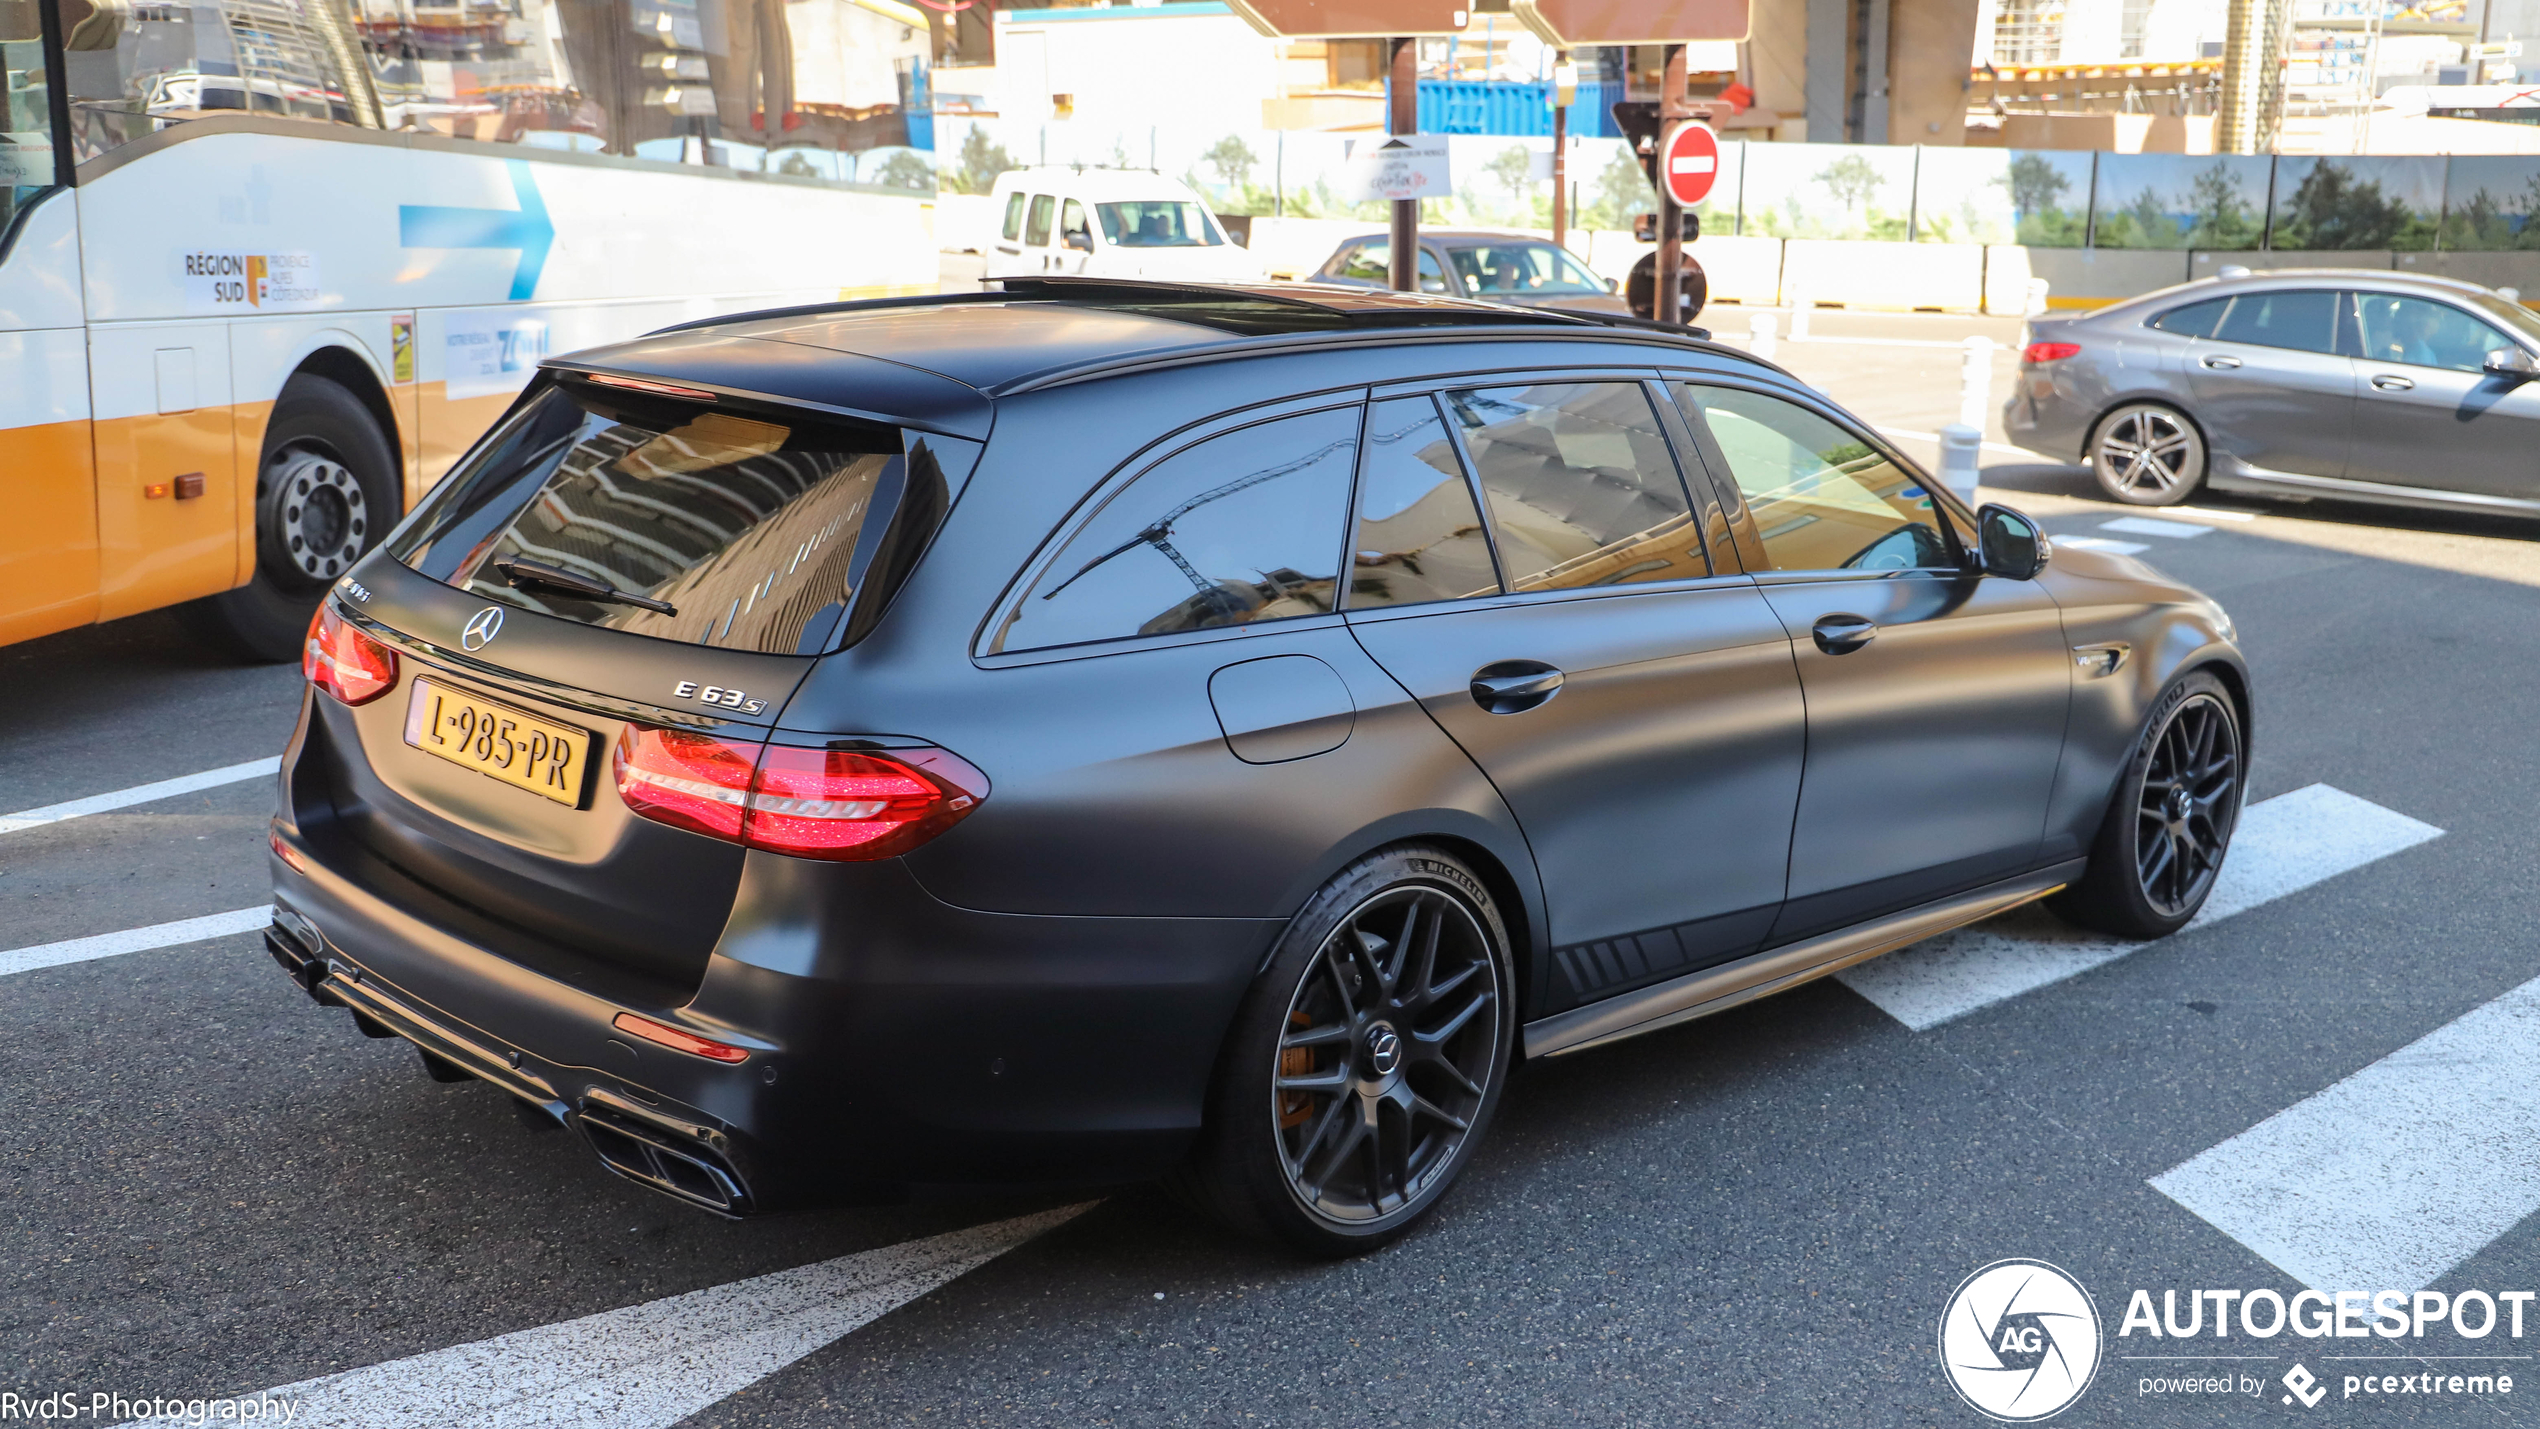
(1896, 276)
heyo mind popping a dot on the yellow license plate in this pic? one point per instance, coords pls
(512, 745)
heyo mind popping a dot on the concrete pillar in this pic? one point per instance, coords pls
(2248, 51)
(1829, 70)
(1930, 43)
(1777, 56)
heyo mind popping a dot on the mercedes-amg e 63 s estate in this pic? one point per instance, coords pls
(1104, 731)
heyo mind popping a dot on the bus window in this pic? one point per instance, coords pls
(1014, 216)
(1037, 232)
(825, 89)
(26, 127)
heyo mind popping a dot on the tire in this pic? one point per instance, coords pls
(2146, 454)
(1322, 1134)
(2169, 822)
(326, 491)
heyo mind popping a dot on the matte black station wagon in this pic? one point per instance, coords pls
(1106, 731)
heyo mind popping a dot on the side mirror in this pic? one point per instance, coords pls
(2009, 544)
(1613, 285)
(1080, 240)
(2512, 362)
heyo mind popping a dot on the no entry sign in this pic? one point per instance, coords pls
(1688, 161)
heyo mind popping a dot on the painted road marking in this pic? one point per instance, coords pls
(2210, 514)
(135, 940)
(2284, 845)
(2146, 526)
(139, 794)
(1934, 437)
(649, 1366)
(2102, 543)
(2394, 1176)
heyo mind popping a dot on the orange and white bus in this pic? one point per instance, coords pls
(267, 267)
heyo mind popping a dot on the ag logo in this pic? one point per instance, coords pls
(481, 627)
(2020, 1340)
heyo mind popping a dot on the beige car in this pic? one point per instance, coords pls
(1478, 263)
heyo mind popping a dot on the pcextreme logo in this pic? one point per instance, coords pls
(2019, 1341)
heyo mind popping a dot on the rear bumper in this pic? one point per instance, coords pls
(2043, 419)
(897, 1045)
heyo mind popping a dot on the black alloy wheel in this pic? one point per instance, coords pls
(2184, 806)
(1390, 1039)
(2161, 847)
(1366, 1061)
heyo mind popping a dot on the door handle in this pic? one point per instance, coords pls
(1515, 686)
(2393, 382)
(2219, 362)
(1842, 634)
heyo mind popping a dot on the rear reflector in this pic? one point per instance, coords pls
(344, 662)
(2037, 352)
(678, 1040)
(839, 804)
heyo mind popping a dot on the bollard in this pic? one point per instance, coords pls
(1975, 381)
(2036, 304)
(1799, 308)
(1959, 446)
(1759, 327)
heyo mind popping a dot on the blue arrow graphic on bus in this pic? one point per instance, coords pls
(525, 228)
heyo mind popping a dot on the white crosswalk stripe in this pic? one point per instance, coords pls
(2148, 526)
(135, 940)
(2102, 543)
(2397, 1174)
(649, 1366)
(138, 794)
(2283, 845)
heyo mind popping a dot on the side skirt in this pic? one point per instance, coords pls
(2285, 483)
(1779, 969)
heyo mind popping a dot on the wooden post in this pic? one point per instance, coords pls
(1405, 119)
(1672, 106)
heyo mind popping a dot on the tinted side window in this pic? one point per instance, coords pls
(2193, 320)
(1014, 215)
(1037, 232)
(1581, 486)
(2306, 321)
(1243, 527)
(1823, 498)
(2426, 334)
(1374, 262)
(1419, 534)
(1354, 263)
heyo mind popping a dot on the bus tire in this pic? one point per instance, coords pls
(326, 491)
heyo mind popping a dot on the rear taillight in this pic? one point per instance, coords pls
(343, 661)
(847, 804)
(2037, 352)
(686, 780)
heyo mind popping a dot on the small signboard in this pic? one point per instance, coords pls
(1355, 19)
(1577, 24)
(1399, 166)
(1689, 162)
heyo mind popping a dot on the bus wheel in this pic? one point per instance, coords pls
(326, 491)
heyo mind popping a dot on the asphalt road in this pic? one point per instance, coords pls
(214, 1187)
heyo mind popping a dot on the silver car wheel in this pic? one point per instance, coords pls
(2148, 456)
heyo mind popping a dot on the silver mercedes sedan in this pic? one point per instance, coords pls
(2355, 383)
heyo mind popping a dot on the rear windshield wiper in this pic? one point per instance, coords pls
(522, 571)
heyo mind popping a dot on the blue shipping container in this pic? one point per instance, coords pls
(1513, 108)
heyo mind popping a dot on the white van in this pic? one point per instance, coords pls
(1109, 223)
